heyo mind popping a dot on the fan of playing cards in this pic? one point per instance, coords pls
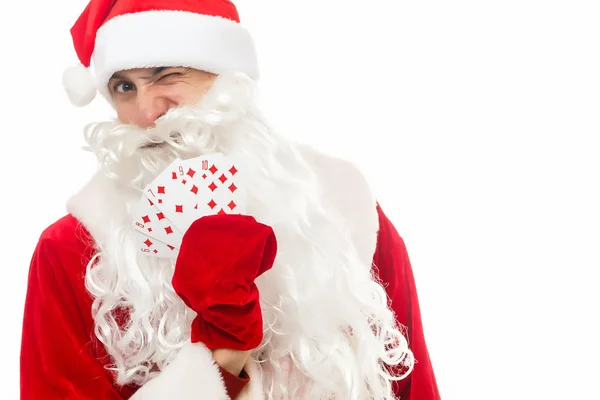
(185, 191)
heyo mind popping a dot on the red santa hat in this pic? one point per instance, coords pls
(115, 35)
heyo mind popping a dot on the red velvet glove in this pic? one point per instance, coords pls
(219, 259)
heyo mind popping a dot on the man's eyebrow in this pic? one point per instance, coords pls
(155, 71)
(117, 75)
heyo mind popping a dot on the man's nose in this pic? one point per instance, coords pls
(149, 107)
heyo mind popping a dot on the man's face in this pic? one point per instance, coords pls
(142, 95)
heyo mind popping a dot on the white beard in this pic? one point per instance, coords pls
(319, 290)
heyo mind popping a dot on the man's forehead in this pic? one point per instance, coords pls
(141, 73)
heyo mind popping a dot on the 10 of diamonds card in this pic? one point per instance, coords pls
(185, 191)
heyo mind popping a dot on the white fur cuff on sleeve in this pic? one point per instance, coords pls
(192, 375)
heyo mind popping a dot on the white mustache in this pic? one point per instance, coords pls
(153, 141)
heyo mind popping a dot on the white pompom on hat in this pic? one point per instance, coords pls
(79, 85)
(124, 34)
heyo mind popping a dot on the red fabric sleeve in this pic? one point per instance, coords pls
(393, 266)
(58, 360)
(60, 355)
(234, 384)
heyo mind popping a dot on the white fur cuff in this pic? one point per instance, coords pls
(192, 375)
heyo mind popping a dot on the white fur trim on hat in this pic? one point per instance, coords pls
(172, 38)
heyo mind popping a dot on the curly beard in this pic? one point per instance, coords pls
(328, 332)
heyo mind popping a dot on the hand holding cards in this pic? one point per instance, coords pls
(188, 213)
(220, 258)
(185, 191)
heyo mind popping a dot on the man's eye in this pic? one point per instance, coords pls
(124, 87)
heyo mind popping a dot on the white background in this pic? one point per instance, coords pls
(477, 123)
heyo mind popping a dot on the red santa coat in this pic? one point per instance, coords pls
(62, 359)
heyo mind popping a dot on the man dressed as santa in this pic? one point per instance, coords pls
(307, 295)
